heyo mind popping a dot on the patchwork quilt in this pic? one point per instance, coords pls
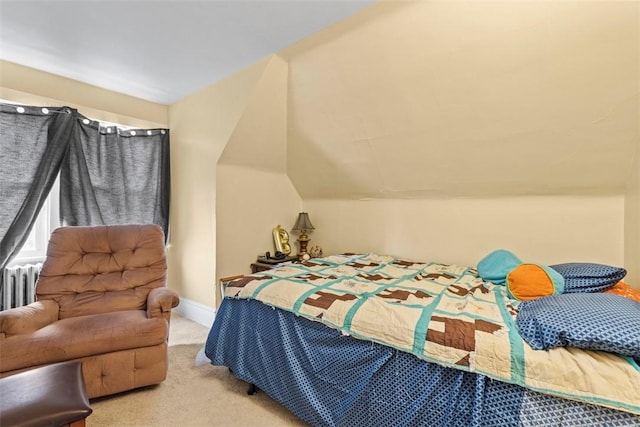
(441, 313)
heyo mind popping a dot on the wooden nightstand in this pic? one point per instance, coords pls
(262, 266)
(258, 266)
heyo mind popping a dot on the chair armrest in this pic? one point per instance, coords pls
(28, 318)
(160, 302)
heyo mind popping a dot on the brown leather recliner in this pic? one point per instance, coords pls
(100, 299)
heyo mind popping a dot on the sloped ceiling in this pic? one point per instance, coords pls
(157, 50)
(467, 99)
(259, 138)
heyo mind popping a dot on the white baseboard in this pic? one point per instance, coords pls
(195, 311)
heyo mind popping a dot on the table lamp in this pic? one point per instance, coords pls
(302, 225)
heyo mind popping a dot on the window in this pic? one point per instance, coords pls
(35, 247)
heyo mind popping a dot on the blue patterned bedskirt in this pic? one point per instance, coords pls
(329, 379)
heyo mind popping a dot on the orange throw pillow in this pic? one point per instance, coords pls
(532, 281)
(624, 290)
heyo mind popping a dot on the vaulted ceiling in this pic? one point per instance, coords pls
(455, 99)
(157, 50)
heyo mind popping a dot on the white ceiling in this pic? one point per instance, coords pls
(157, 50)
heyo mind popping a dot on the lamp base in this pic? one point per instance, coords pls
(304, 241)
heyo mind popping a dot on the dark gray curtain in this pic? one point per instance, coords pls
(114, 176)
(33, 142)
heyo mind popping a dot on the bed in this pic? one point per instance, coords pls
(372, 340)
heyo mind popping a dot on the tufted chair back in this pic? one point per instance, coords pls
(92, 270)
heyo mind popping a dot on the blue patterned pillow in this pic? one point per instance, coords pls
(588, 277)
(590, 321)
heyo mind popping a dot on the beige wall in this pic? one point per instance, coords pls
(440, 99)
(632, 225)
(201, 125)
(32, 87)
(229, 183)
(253, 191)
(244, 148)
(250, 203)
(546, 230)
(259, 139)
(509, 124)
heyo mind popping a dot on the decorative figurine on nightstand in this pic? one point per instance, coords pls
(303, 224)
(315, 252)
(281, 240)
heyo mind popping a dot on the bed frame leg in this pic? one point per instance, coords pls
(252, 387)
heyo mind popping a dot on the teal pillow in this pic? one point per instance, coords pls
(496, 266)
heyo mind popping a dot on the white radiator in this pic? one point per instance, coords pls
(17, 285)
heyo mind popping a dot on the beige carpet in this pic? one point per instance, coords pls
(191, 395)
